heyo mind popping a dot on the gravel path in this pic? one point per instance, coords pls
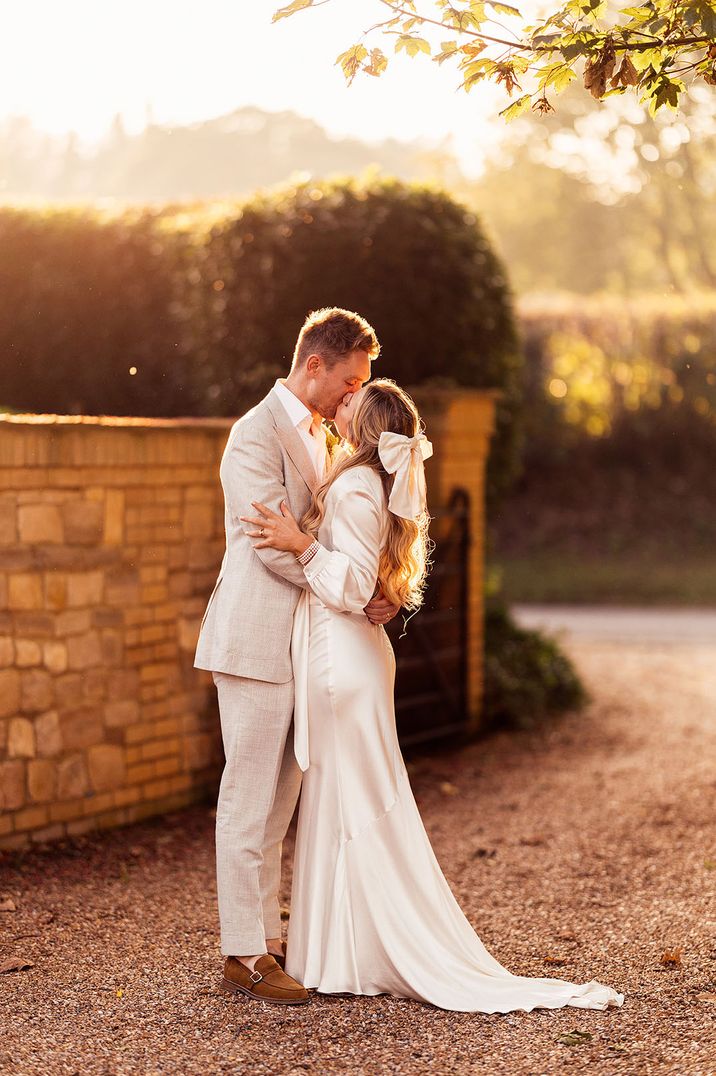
(586, 850)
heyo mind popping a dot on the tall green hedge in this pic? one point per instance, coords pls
(205, 302)
(413, 261)
(86, 296)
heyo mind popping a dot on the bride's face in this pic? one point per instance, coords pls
(346, 409)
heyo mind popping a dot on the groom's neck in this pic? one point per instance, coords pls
(296, 382)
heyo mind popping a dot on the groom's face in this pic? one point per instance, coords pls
(330, 385)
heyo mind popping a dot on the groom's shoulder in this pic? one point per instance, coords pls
(256, 422)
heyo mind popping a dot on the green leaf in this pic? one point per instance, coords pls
(447, 50)
(558, 74)
(475, 71)
(646, 58)
(378, 63)
(640, 14)
(664, 93)
(503, 9)
(545, 39)
(351, 61)
(291, 9)
(575, 1038)
(516, 108)
(412, 45)
(708, 18)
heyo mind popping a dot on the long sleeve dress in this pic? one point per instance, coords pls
(371, 911)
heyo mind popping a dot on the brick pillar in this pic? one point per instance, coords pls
(459, 423)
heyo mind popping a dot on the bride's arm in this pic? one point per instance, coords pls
(345, 578)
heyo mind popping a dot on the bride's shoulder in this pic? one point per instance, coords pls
(362, 478)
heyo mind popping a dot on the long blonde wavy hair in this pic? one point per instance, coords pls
(404, 557)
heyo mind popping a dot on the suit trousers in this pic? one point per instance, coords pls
(257, 797)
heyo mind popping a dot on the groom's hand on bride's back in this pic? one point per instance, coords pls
(379, 610)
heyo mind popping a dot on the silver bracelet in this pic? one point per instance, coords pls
(308, 553)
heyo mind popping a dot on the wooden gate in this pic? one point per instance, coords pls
(431, 648)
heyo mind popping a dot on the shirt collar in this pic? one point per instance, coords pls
(296, 410)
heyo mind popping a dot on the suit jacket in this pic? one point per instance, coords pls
(246, 629)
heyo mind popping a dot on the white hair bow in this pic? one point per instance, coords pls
(403, 457)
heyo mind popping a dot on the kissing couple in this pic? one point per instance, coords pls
(322, 550)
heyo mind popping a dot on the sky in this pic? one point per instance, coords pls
(75, 65)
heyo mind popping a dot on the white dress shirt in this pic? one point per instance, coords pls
(311, 431)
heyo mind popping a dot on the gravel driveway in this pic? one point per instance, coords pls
(585, 850)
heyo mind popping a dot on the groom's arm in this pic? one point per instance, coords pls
(253, 471)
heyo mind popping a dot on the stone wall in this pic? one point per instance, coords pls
(111, 535)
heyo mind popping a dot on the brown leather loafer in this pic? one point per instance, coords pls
(280, 958)
(267, 982)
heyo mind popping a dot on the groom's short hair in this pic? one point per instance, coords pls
(333, 333)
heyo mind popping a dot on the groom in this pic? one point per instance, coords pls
(276, 451)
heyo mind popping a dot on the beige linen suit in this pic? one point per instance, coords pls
(244, 641)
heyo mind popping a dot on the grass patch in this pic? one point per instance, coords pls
(572, 578)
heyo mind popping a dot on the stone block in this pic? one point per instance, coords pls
(54, 656)
(199, 517)
(107, 618)
(7, 651)
(25, 591)
(123, 684)
(55, 590)
(12, 785)
(94, 685)
(119, 714)
(47, 833)
(114, 517)
(68, 689)
(16, 558)
(112, 646)
(197, 751)
(72, 777)
(188, 633)
(84, 588)
(3, 591)
(98, 802)
(106, 767)
(84, 522)
(180, 585)
(9, 692)
(8, 523)
(37, 691)
(48, 740)
(31, 817)
(41, 780)
(123, 588)
(60, 812)
(27, 653)
(20, 738)
(81, 728)
(34, 625)
(84, 651)
(72, 622)
(38, 523)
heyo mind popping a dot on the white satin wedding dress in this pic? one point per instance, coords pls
(371, 911)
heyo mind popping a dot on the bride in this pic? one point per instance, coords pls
(371, 911)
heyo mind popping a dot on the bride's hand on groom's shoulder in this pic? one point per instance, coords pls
(277, 531)
(379, 610)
